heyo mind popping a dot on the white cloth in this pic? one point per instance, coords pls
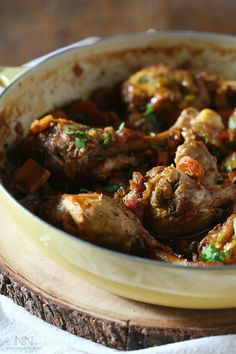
(20, 332)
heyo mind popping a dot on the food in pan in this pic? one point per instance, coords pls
(147, 167)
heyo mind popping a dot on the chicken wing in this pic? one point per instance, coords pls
(175, 202)
(206, 126)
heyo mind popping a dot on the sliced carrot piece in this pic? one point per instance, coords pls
(231, 176)
(191, 167)
(31, 176)
(40, 125)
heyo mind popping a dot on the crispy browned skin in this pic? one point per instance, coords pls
(168, 90)
(76, 150)
(220, 243)
(106, 222)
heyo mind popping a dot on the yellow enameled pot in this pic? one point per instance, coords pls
(75, 72)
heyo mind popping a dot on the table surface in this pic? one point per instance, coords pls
(32, 28)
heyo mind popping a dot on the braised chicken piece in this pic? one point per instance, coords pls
(76, 150)
(106, 222)
(219, 246)
(181, 200)
(173, 204)
(206, 125)
(156, 95)
(195, 154)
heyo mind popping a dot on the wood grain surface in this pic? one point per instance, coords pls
(32, 28)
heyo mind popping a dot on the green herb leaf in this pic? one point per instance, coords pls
(149, 109)
(213, 254)
(120, 128)
(142, 80)
(80, 133)
(112, 189)
(189, 99)
(150, 115)
(83, 190)
(107, 139)
(80, 142)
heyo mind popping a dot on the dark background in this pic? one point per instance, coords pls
(29, 28)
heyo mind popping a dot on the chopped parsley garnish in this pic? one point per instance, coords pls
(81, 137)
(142, 80)
(107, 139)
(112, 189)
(149, 109)
(213, 254)
(80, 142)
(83, 190)
(80, 133)
(150, 115)
(120, 128)
(232, 122)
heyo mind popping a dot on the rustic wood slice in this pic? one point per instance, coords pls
(52, 293)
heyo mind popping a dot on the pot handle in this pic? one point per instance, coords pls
(8, 74)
